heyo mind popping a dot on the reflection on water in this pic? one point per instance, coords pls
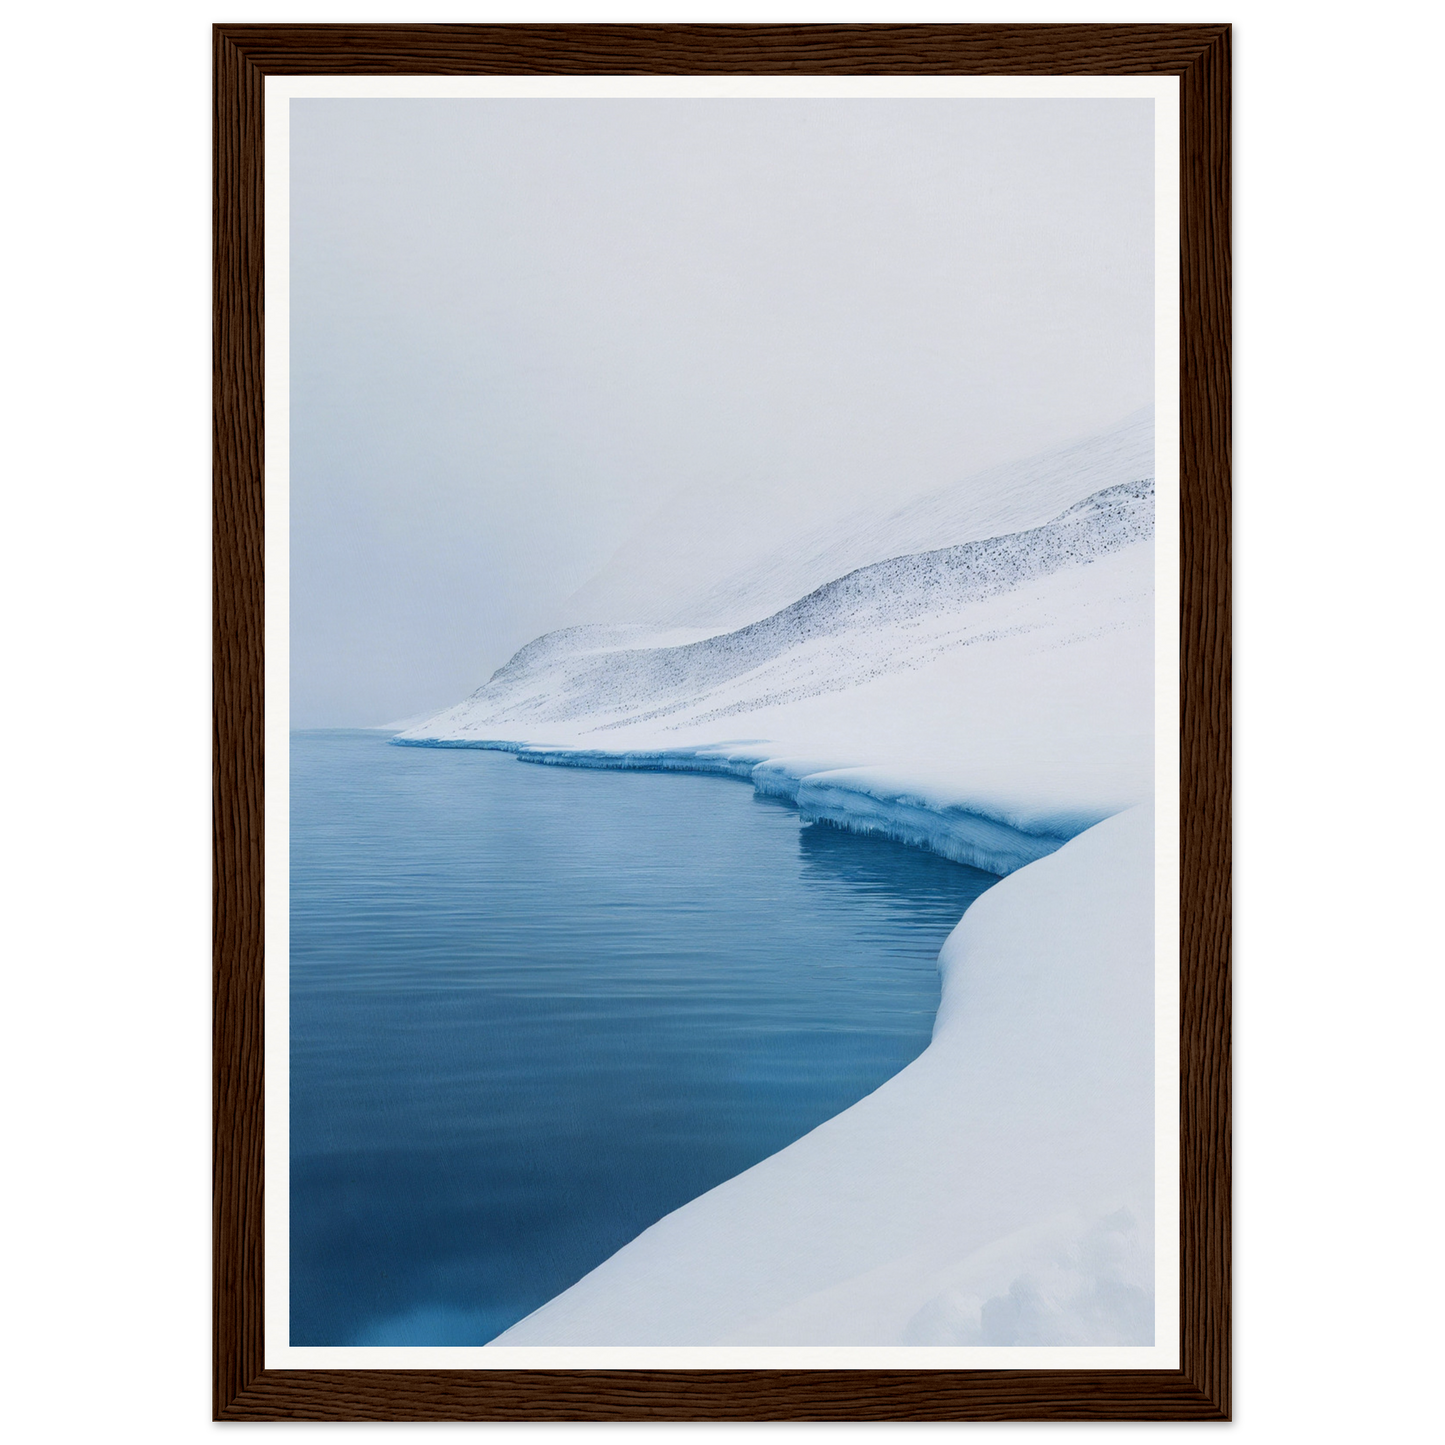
(535, 1009)
(894, 875)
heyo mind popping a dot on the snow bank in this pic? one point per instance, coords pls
(730, 763)
(782, 777)
(997, 1191)
(967, 826)
(863, 801)
(982, 833)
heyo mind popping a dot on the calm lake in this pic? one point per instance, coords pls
(534, 1009)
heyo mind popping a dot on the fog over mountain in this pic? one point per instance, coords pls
(544, 351)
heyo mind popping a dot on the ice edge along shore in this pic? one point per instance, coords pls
(907, 1218)
(858, 799)
(999, 1190)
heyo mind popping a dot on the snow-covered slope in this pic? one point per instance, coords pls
(998, 1191)
(837, 636)
(728, 570)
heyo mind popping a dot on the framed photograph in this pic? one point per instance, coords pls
(721, 722)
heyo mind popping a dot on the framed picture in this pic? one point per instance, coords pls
(722, 722)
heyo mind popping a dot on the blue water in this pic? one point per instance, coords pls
(535, 1009)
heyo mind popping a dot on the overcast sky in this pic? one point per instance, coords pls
(520, 328)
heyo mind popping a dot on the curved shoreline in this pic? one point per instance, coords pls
(856, 799)
(999, 1189)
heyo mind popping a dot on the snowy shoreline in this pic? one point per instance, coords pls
(993, 672)
(995, 837)
(996, 1191)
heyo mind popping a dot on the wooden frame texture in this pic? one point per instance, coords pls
(243, 56)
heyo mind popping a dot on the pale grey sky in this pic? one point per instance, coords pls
(520, 328)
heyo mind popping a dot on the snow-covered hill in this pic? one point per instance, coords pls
(874, 620)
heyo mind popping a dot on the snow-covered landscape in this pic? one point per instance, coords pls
(804, 442)
(973, 673)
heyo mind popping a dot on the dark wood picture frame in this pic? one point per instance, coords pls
(1200, 1390)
